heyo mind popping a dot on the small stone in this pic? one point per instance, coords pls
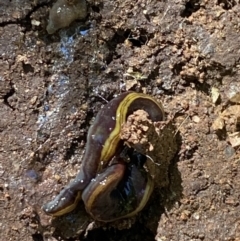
(35, 22)
(234, 139)
(233, 93)
(33, 100)
(229, 152)
(196, 119)
(218, 124)
(185, 215)
(57, 177)
(215, 94)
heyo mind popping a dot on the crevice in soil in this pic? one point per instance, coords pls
(27, 68)
(154, 74)
(10, 93)
(37, 237)
(143, 234)
(141, 37)
(190, 7)
(178, 67)
(97, 8)
(25, 21)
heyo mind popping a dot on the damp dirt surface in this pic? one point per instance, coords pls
(186, 54)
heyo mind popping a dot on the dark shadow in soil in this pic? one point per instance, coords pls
(222, 134)
(10, 93)
(140, 232)
(97, 7)
(137, 40)
(37, 237)
(190, 7)
(173, 193)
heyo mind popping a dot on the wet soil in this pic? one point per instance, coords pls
(52, 86)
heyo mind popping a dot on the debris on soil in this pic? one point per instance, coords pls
(229, 120)
(234, 139)
(156, 140)
(133, 78)
(215, 94)
(233, 92)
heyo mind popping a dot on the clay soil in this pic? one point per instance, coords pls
(182, 52)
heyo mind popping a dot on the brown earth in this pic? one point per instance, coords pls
(51, 87)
